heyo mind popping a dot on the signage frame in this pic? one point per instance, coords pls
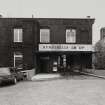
(65, 47)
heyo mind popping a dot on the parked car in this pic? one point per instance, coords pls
(7, 75)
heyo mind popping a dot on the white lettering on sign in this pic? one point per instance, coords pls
(65, 47)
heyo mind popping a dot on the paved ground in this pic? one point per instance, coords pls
(69, 91)
(99, 72)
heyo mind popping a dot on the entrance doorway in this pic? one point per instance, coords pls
(44, 65)
(74, 61)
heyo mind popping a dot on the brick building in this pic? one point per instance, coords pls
(46, 44)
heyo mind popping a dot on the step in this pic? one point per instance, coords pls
(45, 76)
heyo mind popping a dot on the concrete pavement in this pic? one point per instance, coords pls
(57, 92)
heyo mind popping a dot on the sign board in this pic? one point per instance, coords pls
(65, 47)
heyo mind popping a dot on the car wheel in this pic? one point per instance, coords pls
(14, 81)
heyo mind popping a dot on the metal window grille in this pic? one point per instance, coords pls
(18, 58)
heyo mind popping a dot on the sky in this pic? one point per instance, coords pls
(57, 9)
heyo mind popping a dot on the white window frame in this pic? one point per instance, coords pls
(18, 34)
(72, 35)
(48, 33)
(17, 55)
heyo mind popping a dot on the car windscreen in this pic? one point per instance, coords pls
(5, 71)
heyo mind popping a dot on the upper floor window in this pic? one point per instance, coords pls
(18, 35)
(44, 35)
(70, 35)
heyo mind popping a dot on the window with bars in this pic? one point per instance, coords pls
(18, 35)
(44, 35)
(18, 59)
(70, 35)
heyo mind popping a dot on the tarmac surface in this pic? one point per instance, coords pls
(76, 90)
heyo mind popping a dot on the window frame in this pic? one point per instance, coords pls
(17, 55)
(73, 40)
(19, 33)
(48, 34)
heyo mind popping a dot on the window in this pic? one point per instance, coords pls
(18, 59)
(18, 35)
(70, 36)
(44, 35)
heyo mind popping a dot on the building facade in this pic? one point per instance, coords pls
(46, 44)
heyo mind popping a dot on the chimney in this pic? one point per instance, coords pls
(88, 17)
